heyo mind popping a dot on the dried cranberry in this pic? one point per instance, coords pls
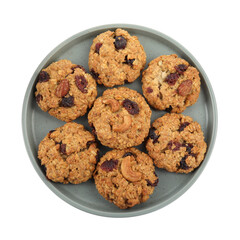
(182, 126)
(192, 154)
(177, 146)
(109, 165)
(189, 147)
(63, 148)
(94, 74)
(43, 76)
(172, 78)
(181, 68)
(79, 66)
(169, 145)
(81, 83)
(130, 106)
(174, 144)
(128, 154)
(183, 164)
(90, 143)
(149, 183)
(128, 61)
(67, 102)
(97, 47)
(153, 135)
(39, 98)
(120, 42)
(149, 90)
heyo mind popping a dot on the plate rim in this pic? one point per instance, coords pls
(139, 211)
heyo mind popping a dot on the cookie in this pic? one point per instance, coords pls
(116, 57)
(170, 83)
(65, 90)
(69, 154)
(125, 177)
(120, 118)
(176, 143)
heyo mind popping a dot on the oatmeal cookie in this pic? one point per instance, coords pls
(120, 118)
(125, 177)
(65, 90)
(176, 143)
(170, 83)
(69, 154)
(116, 58)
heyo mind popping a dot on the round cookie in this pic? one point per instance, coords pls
(125, 177)
(65, 90)
(69, 154)
(116, 58)
(176, 143)
(120, 118)
(170, 83)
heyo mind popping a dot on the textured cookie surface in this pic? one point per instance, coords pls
(125, 177)
(120, 117)
(65, 90)
(116, 57)
(176, 143)
(170, 83)
(69, 154)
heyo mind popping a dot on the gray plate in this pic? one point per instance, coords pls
(36, 123)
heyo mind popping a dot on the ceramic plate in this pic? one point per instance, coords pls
(36, 123)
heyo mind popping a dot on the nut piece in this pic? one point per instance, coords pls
(62, 88)
(127, 171)
(115, 105)
(127, 121)
(185, 88)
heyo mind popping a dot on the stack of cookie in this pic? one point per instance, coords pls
(120, 119)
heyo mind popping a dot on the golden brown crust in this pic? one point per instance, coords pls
(69, 154)
(176, 96)
(176, 143)
(49, 99)
(125, 177)
(119, 128)
(110, 63)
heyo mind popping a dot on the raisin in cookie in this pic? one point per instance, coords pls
(170, 83)
(120, 118)
(116, 58)
(69, 154)
(125, 177)
(176, 143)
(65, 90)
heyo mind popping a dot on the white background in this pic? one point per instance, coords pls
(209, 30)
